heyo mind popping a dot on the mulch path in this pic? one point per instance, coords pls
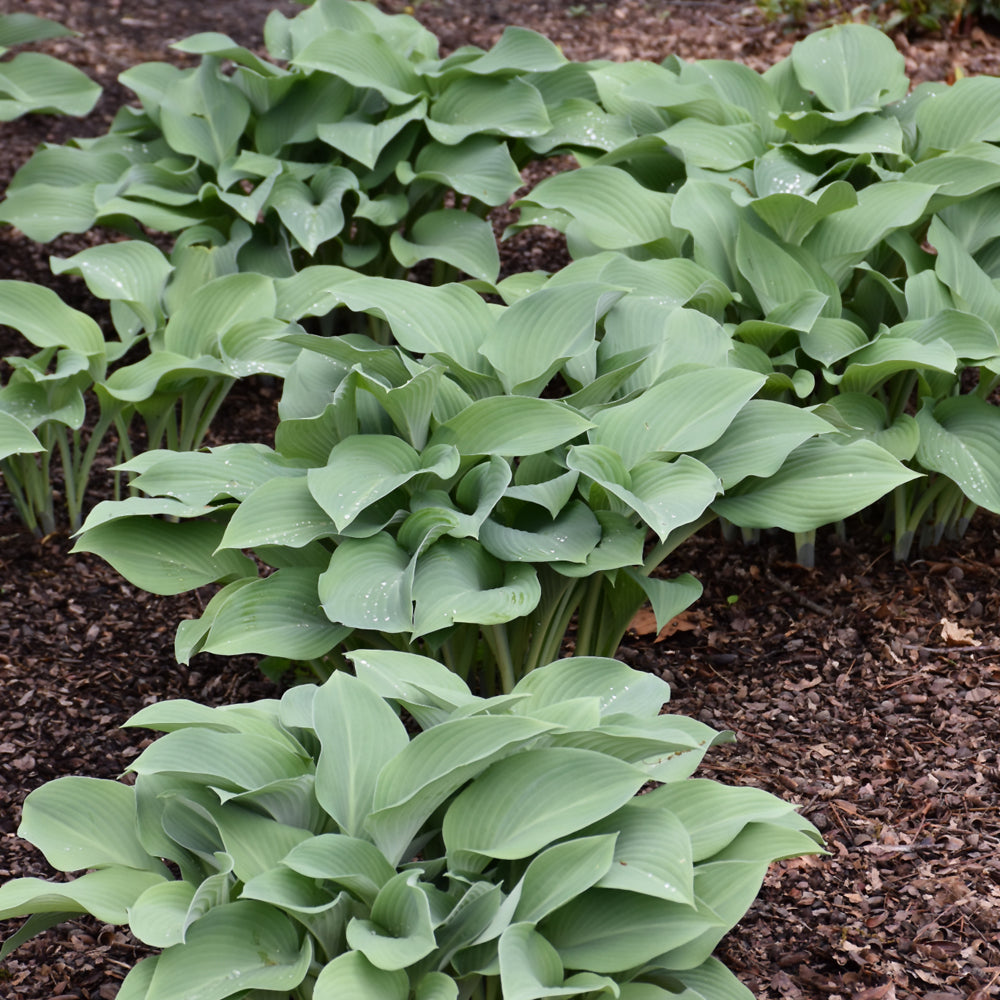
(867, 692)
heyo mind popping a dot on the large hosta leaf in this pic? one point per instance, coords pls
(820, 482)
(166, 558)
(35, 82)
(242, 945)
(959, 438)
(524, 802)
(359, 734)
(850, 67)
(456, 237)
(81, 823)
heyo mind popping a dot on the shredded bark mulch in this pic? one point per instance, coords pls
(865, 691)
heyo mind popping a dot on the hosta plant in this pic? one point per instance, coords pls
(184, 337)
(34, 82)
(356, 146)
(311, 848)
(854, 219)
(469, 488)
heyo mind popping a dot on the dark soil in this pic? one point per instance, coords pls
(865, 691)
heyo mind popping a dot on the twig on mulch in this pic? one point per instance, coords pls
(820, 609)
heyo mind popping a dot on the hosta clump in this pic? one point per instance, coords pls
(357, 145)
(854, 219)
(468, 489)
(187, 329)
(316, 850)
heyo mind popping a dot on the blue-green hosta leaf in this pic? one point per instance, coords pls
(196, 324)
(866, 416)
(313, 212)
(969, 336)
(607, 930)
(434, 765)
(368, 585)
(278, 615)
(166, 370)
(359, 733)
(778, 275)
(819, 483)
(541, 331)
(530, 969)
(966, 112)
(784, 170)
(85, 823)
(707, 211)
(680, 414)
(450, 319)
(522, 803)
(715, 147)
(971, 288)
(759, 439)
(241, 945)
(234, 761)
(32, 81)
(202, 113)
(214, 43)
(842, 239)
(832, 339)
(709, 981)
(107, 894)
(562, 872)
(570, 537)
(282, 512)
(851, 67)
(289, 891)
(133, 272)
(364, 139)
(352, 864)
(352, 975)
(472, 105)
(361, 470)
(454, 236)
(427, 688)
(197, 477)
(551, 494)
(621, 689)
(873, 365)
(401, 929)
(436, 986)
(41, 316)
(652, 854)
(580, 123)
(511, 426)
(20, 28)
(866, 135)
(166, 558)
(518, 49)
(613, 210)
(480, 167)
(792, 215)
(363, 60)
(959, 439)
(161, 916)
(16, 437)
(457, 580)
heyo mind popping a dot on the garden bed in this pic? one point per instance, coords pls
(867, 692)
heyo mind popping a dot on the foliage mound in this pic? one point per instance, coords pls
(502, 851)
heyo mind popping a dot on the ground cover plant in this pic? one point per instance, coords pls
(733, 594)
(356, 146)
(852, 220)
(444, 491)
(322, 852)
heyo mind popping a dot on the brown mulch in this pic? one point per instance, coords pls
(865, 691)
